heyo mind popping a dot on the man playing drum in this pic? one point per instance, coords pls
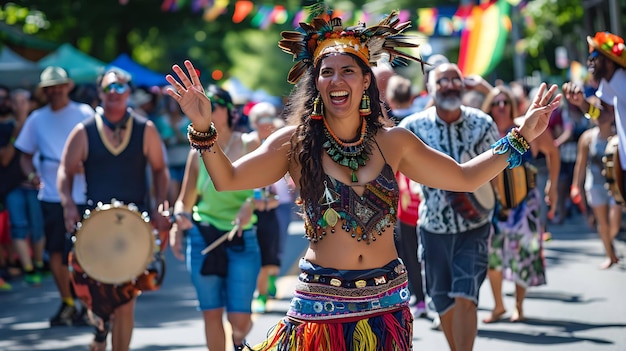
(451, 243)
(607, 65)
(113, 150)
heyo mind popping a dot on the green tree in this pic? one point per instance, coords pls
(553, 24)
(157, 39)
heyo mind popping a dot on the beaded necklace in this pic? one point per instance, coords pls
(349, 154)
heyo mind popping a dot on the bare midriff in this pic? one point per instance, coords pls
(340, 250)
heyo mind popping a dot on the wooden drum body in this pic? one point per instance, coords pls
(613, 170)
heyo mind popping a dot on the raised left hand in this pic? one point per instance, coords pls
(537, 117)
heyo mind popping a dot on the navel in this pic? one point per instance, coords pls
(360, 258)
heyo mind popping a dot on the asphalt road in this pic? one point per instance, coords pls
(582, 308)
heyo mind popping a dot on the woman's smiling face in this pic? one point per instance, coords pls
(341, 83)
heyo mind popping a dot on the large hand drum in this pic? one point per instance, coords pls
(613, 170)
(476, 206)
(114, 243)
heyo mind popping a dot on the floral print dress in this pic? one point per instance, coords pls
(516, 245)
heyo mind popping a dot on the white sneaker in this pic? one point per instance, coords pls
(436, 325)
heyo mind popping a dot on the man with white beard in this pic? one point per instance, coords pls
(453, 246)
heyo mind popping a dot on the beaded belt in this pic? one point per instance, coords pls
(318, 301)
(349, 284)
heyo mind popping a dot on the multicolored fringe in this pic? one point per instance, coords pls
(346, 310)
(390, 331)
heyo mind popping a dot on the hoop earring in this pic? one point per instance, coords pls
(318, 108)
(365, 109)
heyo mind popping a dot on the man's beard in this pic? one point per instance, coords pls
(450, 102)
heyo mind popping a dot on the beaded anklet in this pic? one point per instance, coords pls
(202, 141)
(515, 144)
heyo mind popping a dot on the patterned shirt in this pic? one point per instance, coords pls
(472, 134)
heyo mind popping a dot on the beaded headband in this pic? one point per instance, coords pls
(313, 41)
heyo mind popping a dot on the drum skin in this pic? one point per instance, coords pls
(114, 244)
(613, 170)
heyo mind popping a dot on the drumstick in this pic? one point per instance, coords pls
(228, 236)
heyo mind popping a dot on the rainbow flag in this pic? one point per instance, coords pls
(484, 37)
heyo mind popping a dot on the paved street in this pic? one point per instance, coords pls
(582, 308)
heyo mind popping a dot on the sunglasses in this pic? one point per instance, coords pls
(593, 56)
(116, 87)
(218, 101)
(500, 103)
(444, 82)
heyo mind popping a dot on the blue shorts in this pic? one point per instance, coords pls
(236, 290)
(455, 265)
(25, 214)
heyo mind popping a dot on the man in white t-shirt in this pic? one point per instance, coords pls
(607, 65)
(44, 134)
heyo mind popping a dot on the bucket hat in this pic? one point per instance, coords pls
(52, 76)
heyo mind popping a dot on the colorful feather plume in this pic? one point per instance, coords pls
(313, 40)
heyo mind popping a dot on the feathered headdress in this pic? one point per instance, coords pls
(312, 41)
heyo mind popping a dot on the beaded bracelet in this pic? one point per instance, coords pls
(515, 144)
(202, 141)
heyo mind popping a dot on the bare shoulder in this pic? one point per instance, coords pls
(78, 131)
(396, 135)
(282, 136)
(395, 142)
(586, 136)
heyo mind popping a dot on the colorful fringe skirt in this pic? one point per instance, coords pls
(336, 310)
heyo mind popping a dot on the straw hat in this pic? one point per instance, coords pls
(52, 76)
(609, 45)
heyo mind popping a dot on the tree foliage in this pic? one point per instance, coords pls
(157, 38)
(552, 24)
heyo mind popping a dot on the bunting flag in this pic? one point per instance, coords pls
(484, 38)
(446, 21)
(242, 10)
(427, 19)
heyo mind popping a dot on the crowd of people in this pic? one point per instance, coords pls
(390, 240)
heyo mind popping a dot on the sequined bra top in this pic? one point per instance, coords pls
(364, 217)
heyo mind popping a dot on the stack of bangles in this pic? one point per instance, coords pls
(202, 141)
(515, 144)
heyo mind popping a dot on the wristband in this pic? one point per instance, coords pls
(515, 145)
(593, 113)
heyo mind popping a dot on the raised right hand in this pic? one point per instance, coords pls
(189, 94)
(573, 93)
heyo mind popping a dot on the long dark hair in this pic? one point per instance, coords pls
(306, 142)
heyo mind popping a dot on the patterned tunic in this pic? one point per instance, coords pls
(472, 134)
